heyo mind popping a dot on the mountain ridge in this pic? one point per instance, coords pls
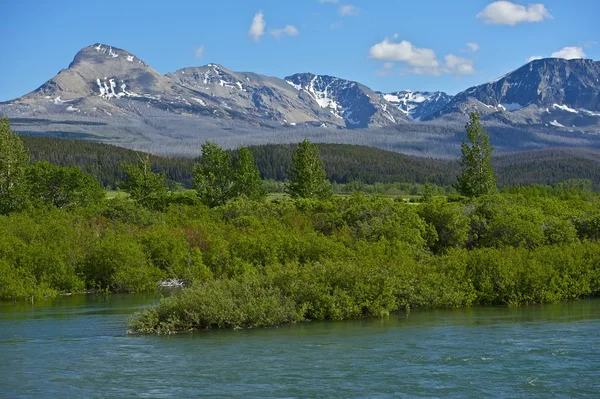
(109, 94)
(542, 91)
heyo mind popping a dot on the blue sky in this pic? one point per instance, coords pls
(388, 45)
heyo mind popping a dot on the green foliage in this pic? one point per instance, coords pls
(307, 176)
(242, 303)
(117, 262)
(13, 161)
(477, 177)
(449, 226)
(214, 176)
(61, 187)
(260, 263)
(144, 186)
(247, 181)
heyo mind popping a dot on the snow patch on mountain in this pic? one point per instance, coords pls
(58, 101)
(295, 86)
(511, 107)
(417, 105)
(107, 89)
(565, 108)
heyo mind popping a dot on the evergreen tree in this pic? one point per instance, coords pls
(214, 176)
(307, 175)
(13, 161)
(144, 186)
(247, 181)
(477, 176)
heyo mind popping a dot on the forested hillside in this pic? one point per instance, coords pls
(102, 160)
(343, 163)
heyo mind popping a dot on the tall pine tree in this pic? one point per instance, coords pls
(307, 175)
(477, 177)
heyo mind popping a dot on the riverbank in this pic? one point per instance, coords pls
(253, 264)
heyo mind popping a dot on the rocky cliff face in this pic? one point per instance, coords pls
(418, 105)
(557, 92)
(352, 104)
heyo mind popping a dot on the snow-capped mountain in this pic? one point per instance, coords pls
(104, 81)
(552, 92)
(100, 81)
(416, 104)
(109, 94)
(355, 105)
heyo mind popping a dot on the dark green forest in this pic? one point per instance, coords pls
(343, 163)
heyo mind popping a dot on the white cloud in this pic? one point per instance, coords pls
(421, 61)
(569, 53)
(199, 52)
(534, 57)
(507, 13)
(257, 29)
(289, 30)
(349, 11)
(404, 51)
(458, 65)
(472, 46)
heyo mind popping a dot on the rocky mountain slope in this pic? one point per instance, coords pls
(103, 81)
(552, 92)
(354, 104)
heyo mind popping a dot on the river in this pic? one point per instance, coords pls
(77, 347)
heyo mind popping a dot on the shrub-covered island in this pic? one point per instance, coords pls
(252, 261)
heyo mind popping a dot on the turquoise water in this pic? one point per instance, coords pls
(77, 347)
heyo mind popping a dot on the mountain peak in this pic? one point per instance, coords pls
(101, 53)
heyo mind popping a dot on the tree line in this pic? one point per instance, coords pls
(344, 164)
(218, 178)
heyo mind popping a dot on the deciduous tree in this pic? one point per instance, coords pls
(247, 181)
(13, 161)
(144, 186)
(62, 187)
(214, 176)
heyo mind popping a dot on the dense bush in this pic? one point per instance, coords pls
(253, 263)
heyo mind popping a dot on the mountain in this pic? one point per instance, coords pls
(418, 105)
(550, 92)
(99, 82)
(110, 95)
(105, 81)
(354, 104)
